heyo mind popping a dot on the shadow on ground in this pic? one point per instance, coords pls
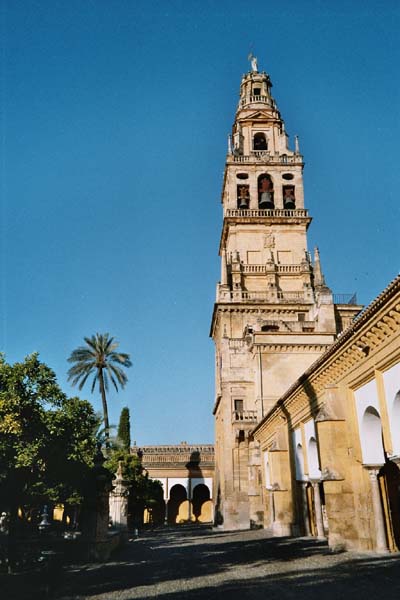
(186, 564)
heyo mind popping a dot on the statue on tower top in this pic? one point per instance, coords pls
(253, 62)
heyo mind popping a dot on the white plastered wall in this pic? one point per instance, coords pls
(369, 424)
(391, 381)
(207, 481)
(267, 472)
(311, 450)
(188, 483)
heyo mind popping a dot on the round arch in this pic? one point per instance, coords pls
(313, 459)
(202, 505)
(265, 191)
(177, 501)
(395, 424)
(260, 141)
(371, 437)
(299, 461)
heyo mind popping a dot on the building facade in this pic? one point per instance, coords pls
(274, 315)
(331, 445)
(186, 474)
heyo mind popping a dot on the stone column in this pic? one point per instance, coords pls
(304, 503)
(96, 510)
(189, 496)
(166, 495)
(318, 509)
(380, 530)
(119, 501)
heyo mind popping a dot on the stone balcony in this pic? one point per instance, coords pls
(273, 297)
(262, 269)
(265, 157)
(273, 212)
(244, 416)
(255, 100)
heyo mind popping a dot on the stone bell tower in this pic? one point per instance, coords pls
(274, 314)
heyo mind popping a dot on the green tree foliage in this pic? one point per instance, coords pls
(99, 360)
(124, 428)
(46, 439)
(143, 491)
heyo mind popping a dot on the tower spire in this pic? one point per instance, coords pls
(319, 279)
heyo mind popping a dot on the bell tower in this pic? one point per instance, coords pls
(274, 314)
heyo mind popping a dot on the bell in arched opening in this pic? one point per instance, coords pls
(289, 200)
(265, 192)
(243, 197)
(260, 142)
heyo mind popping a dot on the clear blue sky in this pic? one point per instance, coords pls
(116, 115)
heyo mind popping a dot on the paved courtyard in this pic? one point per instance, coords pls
(188, 563)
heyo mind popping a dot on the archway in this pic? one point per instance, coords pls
(155, 513)
(313, 460)
(395, 424)
(265, 191)
(371, 437)
(389, 483)
(202, 505)
(177, 498)
(260, 141)
(299, 460)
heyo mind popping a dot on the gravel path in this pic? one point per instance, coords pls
(189, 563)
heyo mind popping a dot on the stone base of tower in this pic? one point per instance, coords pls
(241, 511)
(235, 512)
(256, 512)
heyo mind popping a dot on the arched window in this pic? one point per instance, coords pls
(265, 192)
(177, 504)
(243, 197)
(313, 460)
(371, 437)
(299, 462)
(260, 141)
(395, 425)
(202, 505)
(289, 200)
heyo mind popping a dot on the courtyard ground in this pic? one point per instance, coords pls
(189, 563)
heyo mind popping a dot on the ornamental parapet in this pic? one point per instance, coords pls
(273, 297)
(262, 269)
(175, 454)
(246, 416)
(265, 157)
(299, 213)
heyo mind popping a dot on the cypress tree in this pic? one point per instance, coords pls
(124, 428)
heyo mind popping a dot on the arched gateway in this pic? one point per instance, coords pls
(186, 474)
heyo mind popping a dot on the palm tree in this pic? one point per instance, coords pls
(100, 359)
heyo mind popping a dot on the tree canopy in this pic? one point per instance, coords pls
(124, 428)
(99, 360)
(143, 491)
(47, 440)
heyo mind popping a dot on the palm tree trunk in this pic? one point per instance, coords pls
(105, 408)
